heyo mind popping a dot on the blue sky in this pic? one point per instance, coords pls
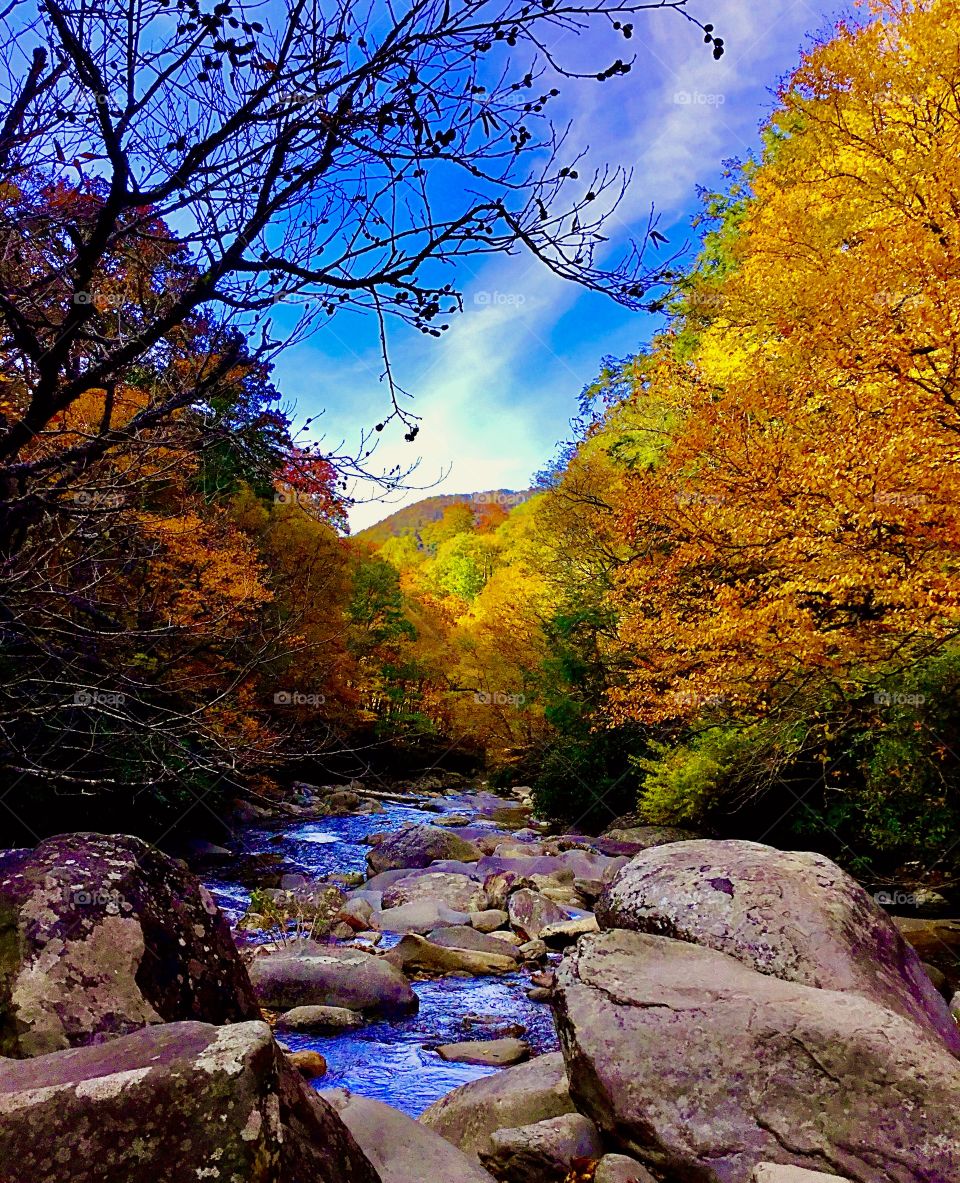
(496, 393)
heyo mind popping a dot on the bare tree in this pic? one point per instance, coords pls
(305, 156)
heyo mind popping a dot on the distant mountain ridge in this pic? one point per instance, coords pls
(411, 518)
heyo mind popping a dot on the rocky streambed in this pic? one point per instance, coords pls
(393, 1059)
(666, 1009)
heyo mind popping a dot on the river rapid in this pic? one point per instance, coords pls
(393, 1061)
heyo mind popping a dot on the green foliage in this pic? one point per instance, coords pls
(684, 783)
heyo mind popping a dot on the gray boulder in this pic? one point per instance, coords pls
(419, 846)
(101, 935)
(419, 917)
(320, 1018)
(462, 936)
(401, 1149)
(456, 891)
(702, 1068)
(795, 915)
(469, 1115)
(173, 1103)
(544, 1152)
(329, 975)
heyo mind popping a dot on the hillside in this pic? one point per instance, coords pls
(411, 518)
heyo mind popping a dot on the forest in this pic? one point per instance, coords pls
(592, 823)
(729, 600)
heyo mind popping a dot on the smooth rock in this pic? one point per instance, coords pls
(172, 1103)
(543, 1152)
(101, 935)
(328, 975)
(495, 1053)
(567, 931)
(320, 1018)
(308, 1063)
(701, 1068)
(456, 891)
(795, 915)
(460, 936)
(420, 917)
(489, 920)
(467, 1116)
(419, 846)
(402, 1150)
(415, 952)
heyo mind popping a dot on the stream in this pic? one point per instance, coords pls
(392, 1061)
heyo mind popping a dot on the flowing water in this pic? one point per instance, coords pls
(392, 1061)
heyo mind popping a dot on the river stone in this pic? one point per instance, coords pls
(567, 931)
(543, 1152)
(320, 1018)
(794, 915)
(618, 1168)
(489, 920)
(467, 1116)
(456, 891)
(419, 846)
(415, 952)
(401, 1149)
(420, 917)
(530, 912)
(173, 1103)
(461, 936)
(330, 975)
(308, 1063)
(101, 935)
(702, 1068)
(494, 1053)
(772, 1172)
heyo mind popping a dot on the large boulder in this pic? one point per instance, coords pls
(456, 891)
(468, 1116)
(421, 917)
(419, 846)
(702, 1068)
(795, 915)
(328, 975)
(401, 1149)
(173, 1103)
(544, 1152)
(101, 935)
